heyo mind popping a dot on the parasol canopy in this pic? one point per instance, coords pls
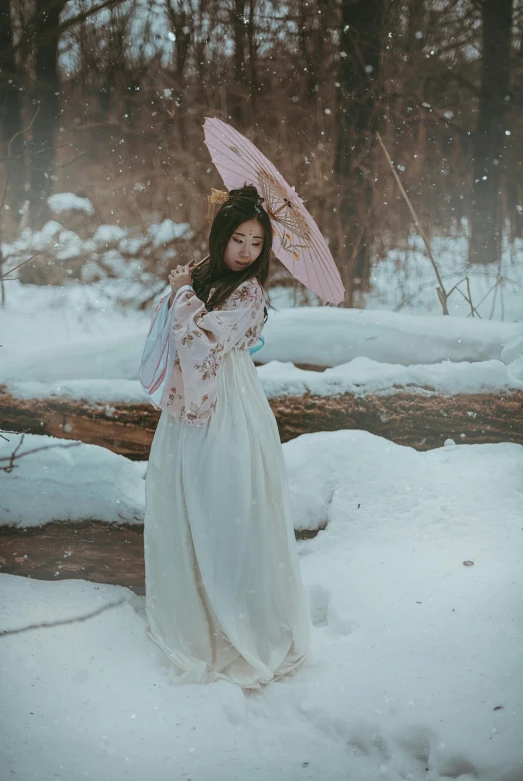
(297, 240)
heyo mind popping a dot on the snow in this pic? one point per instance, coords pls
(36, 241)
(69, 245)
(76, 482)
(327, 336)
(111, 251)
(414, 590)
(92, 391)
(62, 202)
(82, 335)
(132, 244)
(168, 231)
(56, 323)
(414, 586)
(361, 376)
(405, 281)
(105, 234)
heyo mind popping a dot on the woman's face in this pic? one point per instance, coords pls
(245, 246)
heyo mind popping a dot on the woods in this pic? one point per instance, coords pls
(120, 91)
(319, 522)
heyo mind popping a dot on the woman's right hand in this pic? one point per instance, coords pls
(179, 277)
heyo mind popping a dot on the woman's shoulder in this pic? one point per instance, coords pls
(249, 290)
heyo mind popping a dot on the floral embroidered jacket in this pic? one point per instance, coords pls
(202, 340)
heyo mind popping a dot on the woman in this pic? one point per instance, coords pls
(224, 597)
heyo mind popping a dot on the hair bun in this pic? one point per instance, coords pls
(247, 193)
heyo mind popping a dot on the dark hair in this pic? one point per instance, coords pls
(244, 204)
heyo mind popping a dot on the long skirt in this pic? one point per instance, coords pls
(224, 595)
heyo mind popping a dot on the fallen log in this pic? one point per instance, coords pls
(420, 420)
(91, 550)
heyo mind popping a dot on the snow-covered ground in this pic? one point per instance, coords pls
(414, 590)
(65, 480)
(91, 348)
(414, 587)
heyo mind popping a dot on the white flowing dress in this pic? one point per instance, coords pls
(224, 596)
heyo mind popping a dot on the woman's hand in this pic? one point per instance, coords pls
(179, 277)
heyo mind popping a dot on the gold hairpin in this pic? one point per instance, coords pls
(217, 196)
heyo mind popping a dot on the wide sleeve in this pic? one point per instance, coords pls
(157, 307)
(203, 339)
(158, 353)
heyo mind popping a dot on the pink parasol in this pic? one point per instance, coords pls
(297, 240)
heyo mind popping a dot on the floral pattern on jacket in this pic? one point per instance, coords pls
(202, 341)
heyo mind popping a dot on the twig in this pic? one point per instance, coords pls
(5, 632)
(473, 309)
(58, 31)
(4, 277)
(33, 153)
(64, 165)
(7, 164)
(442, 295)
(14, 455)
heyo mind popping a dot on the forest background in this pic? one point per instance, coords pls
(106, 100)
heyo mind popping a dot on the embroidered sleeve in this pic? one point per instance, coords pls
(203, 339)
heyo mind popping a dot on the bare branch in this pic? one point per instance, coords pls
(4, 277)
(6, 162)
(77, 619)
(16, 455)
(442, 295)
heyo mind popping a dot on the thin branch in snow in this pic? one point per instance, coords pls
(442, 295)
(5, 278)
(5, 632)
(15, 454)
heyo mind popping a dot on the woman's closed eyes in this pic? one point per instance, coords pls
(238, 241)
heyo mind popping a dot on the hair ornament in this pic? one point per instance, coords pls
(219, 197)
(216, 197)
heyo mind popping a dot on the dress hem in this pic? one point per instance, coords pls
(212, 676)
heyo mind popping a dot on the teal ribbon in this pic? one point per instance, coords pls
(257, 346)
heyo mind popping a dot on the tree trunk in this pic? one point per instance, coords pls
(46, 96)
(487, 219)
(415, 28)
(253, 52)
(408, 418)
(237, 93)
(11, 82)
(360, 55)
(182, 27)
(313, 32)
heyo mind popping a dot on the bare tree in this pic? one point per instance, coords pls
(11, 87)
(44, 27)
(253, 55)
(314, 40)
(180, 14)
(237, 90)
(490, 141)
(360, 55)
(416, 24)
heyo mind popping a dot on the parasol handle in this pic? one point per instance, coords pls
(201, 261)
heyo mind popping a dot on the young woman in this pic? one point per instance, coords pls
(224, 596)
